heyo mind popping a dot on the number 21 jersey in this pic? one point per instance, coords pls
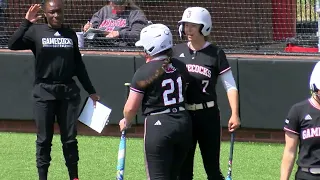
(166, 90)
(204, 66)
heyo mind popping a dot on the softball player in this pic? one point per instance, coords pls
(302, 129)
(160, 86)
(55, 93)
(206, 63)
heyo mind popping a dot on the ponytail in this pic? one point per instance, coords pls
(160, 71)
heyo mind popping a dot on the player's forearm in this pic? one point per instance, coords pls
(129, 115)
(287, 164)
(233, 98)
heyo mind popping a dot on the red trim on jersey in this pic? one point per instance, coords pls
(136, 90)
(225, 70)
(287, 129)
(313, 104)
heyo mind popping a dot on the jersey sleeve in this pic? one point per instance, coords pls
(137, 81)
(81, 70)
(292, 121)
(223, 64)
(22, 38)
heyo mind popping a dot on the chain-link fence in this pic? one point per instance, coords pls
(239, 26)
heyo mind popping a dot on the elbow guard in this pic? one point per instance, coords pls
(228, 81)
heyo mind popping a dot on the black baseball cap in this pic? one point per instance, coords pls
(118, 2)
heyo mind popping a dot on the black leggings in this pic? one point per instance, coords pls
(167, 137)
(206, 132)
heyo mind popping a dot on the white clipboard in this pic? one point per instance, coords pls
(95, 117)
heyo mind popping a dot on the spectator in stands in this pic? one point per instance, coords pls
(120, 19)
(3, 6)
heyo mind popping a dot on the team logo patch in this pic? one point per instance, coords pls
(57, 34)
(57, 42)
(308, 117)
(169, 68)
(287, 121)
(189, 14)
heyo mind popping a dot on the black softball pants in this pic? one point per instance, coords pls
(166, 138)
(206, 132)
(65, 111)
(300, 175)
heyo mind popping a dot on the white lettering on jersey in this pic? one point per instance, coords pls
(311, 133)
(57, 42)
(199, 69)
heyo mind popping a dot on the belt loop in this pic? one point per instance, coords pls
(174, 110)
(205, 106)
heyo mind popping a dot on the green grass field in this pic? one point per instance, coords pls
(98, 157)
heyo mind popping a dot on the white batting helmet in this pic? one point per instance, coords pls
(315, 78)
(197, 15)
(155, 38)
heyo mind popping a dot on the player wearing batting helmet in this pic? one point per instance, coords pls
(302, 129)
(160, 86)
(206, 63)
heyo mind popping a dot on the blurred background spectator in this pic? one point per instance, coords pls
(121, 22)
(3, 7)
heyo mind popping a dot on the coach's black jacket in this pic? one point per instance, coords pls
(57, 60)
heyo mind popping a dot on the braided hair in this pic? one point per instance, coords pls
(159, 71)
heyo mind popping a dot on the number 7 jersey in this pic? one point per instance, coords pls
(166, 91)
(204, 66)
